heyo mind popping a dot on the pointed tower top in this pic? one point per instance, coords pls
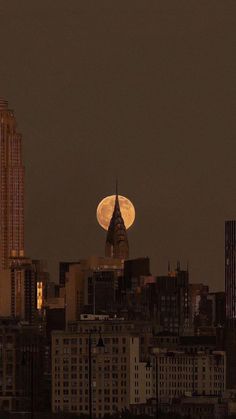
(117, 242)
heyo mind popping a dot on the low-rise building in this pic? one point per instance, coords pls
(181, 373)
(199, 407)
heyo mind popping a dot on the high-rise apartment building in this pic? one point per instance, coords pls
(172, 301)
(23, 289)
(90, 284)
(230, 270)
(11, 188)
(114, 379)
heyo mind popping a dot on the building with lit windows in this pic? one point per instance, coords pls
(23, 289)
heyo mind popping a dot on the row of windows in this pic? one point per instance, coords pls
(82, 408)
(174, 384)
(173, 359)
(77, 341)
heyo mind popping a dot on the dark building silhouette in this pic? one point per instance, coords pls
(21, 366)
(207, 309)
(102, 290)
(134, 269)
(55, 320)
(163, 300)
(219, 308)
(117, 245)
(230, 271)
(63, 270)
(132, 302)
(230, 294)
(172, 301)
(230, 348)
(23, 289)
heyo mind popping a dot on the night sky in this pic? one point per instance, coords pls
(140, 90)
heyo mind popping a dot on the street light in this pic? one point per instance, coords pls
(148, 367)
(100, 344)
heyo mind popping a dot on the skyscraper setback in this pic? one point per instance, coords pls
(11, 188)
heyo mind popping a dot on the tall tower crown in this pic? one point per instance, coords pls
(117, 245)
(11, 188)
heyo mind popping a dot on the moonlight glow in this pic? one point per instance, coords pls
(106, 207)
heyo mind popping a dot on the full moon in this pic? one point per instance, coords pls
(106, 207)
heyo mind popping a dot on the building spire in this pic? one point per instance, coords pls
(117, 245)
(116, 187)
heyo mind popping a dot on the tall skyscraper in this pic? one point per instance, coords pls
(230, 270)
(11, 188)
(117, 245)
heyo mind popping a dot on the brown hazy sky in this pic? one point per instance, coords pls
(142, 90)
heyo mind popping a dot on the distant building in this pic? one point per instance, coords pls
(42, 281)
(63, 271)
(133, 270)
(189, 344)
(21, 366)
(202, 343)
(230, 348)
(207, 309)
(11, 188)
(100, 291)
(117, 245)
(197, 293)
(91, 286)
(230, 292)
(119, 375)
(230, 271)
(218, 308)
(189, 373)
(55, 319)
(196, 407)
(172, 301)
(23, 289)
(5, 293)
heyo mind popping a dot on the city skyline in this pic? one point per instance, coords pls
(17, 225)
(142, 95)
(117, 302)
